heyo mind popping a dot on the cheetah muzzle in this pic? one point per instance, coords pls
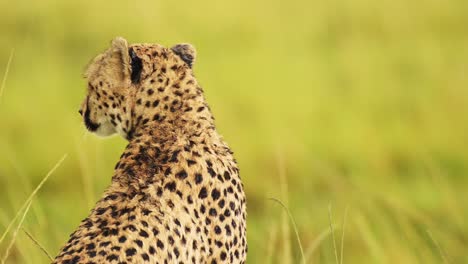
(175, 195)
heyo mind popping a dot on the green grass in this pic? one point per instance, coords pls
(356, 104)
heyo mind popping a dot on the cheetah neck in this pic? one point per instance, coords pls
(163, 116)
(164, 125)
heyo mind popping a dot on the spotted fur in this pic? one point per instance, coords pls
(176, 195)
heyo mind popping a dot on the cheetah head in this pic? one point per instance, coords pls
(120, 78)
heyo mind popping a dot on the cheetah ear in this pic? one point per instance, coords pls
(119, 57)
(186, 52)
(113, 63)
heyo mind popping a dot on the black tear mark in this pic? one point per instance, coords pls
(137, 66)
(90, 125)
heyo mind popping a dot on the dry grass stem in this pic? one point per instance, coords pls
(13, 239)
(343, 233)
(439, 248)
(7, 69)
(31, 197)
(38, 244)
(291, 218)
(316, 243)
(287, 255)
(331, 230)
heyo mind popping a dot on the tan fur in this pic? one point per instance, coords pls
(176, 195)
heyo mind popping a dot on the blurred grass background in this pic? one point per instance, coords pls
(349, 103)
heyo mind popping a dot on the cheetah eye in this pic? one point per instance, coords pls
(136, 66)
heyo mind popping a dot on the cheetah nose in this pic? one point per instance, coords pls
(80, 111)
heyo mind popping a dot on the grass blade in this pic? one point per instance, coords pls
(271, 244)
(342, 234)
(285, 231)
(38, 244)
(316, 243)
(31, 197)
(13, 239)
(441, 252)
(333, 233)
(7, 69)
(291, 218)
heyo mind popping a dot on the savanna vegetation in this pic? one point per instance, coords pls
(352, 113)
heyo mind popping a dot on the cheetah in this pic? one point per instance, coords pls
(175, 195)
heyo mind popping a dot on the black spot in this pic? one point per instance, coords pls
(159, 191)
(112, 257)
(227, 213)
(174, 156)
(152, 250)
(215, 194)
(213, 212)
(139, 243)
(75, 260)
(146, 212)
(227, 176)
(130, 252)
(171, 186)
(198, 178)
(104, 244)
(160, 244)
(211, 172)
(203, 193)
(143, 233)
(90, 246)
(114, 231)
(181, 174)
(116, 248)
(223, 255)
